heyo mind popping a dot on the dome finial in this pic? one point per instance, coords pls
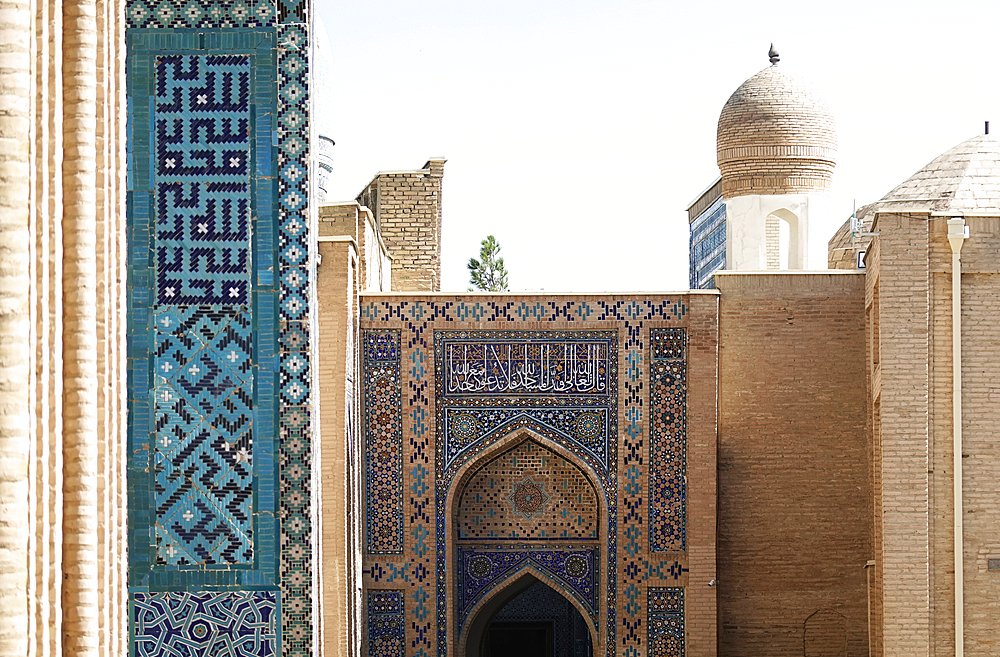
(773, 55)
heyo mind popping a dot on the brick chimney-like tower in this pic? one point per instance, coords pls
(407, 209)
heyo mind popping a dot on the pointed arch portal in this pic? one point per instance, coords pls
(526, 617)
(526, 518)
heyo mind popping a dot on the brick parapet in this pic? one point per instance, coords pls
(407, 210)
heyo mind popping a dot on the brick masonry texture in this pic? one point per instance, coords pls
(775, 136)
(407, 209)
(792, 457)
(909, 312)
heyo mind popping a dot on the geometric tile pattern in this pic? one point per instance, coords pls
(539, 603)
(528, 498)
(383, 431)
(218, 236)
(199, 13)
(202, 133)
(292, 272)
(560, 384)
(667, 440)
(488, 381)
(203, 454)
(624, 476)
(480, 567)
(386, 624)
(528, 493)
(214, 624)
(665, 634)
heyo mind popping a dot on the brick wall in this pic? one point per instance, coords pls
(407, 209)
(335, 374)
(357, 222)
(899, 277)
(793, 484)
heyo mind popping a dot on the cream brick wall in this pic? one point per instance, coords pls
(407, 209)
(62, 195)
(793, 482)
(981, 425)
(335, 371)
(900, 384)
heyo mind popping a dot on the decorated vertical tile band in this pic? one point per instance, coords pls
(295, 271)
(386, 624)
(665, 636)
(668, 440)
(383, 431)
(237, 623)
(203, 455)
(201, 339)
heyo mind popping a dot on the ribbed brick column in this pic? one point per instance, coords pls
(80, 517)
(15, 103)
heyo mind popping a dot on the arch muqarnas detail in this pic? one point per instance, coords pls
(426, 572)
(505, 522)
(560, 385)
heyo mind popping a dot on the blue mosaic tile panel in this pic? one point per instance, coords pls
(565, 383)
(203, 335)
(201, 120)
(386, 624)
(205, 624)
(200, 13)
(383, 442)
(482, 567)
(625, 613)
(668, 440)
(468, 428)
(294, 277)
(203, 455)
(665, 634)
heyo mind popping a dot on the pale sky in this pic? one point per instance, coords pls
(577, 132)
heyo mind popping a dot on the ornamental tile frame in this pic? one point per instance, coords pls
(219, 289)
(452, 427)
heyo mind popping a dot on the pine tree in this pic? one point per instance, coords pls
(488, 273)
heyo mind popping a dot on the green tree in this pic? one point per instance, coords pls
(488, 273)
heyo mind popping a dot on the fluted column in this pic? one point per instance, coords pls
(110, 214)
(45, 387)
(80, 509)
(15, 103)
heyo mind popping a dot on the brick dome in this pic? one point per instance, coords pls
(776, 136)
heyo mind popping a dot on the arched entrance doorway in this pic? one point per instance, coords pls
(527, 534)
(536, 621)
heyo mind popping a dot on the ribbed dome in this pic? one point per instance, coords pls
(965, 179)
(776, 136)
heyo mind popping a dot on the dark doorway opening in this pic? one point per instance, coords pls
(519, 639)
(538, 622)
